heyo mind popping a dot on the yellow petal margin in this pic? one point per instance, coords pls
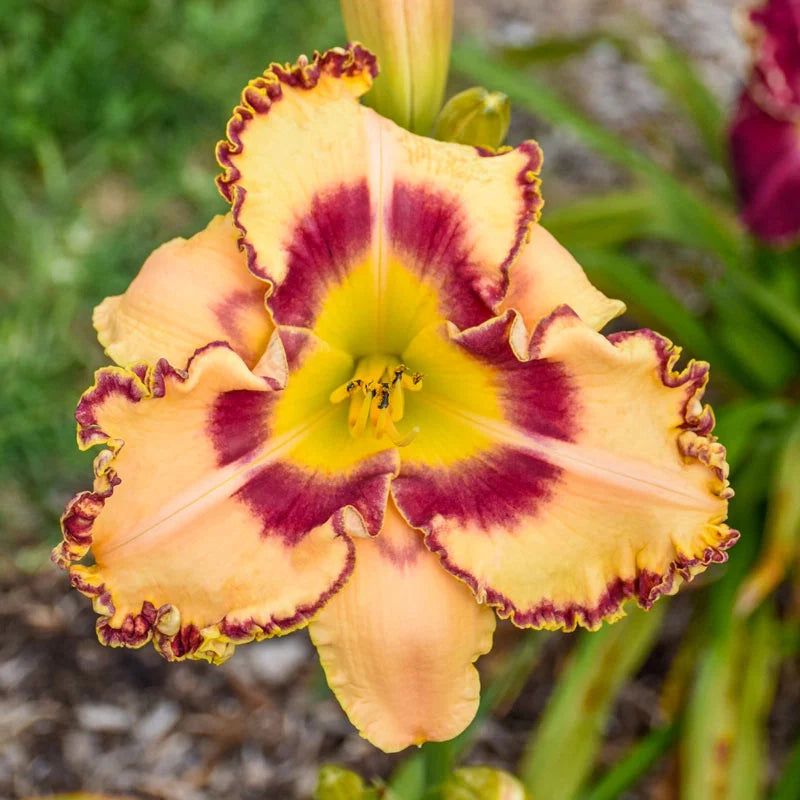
(187, 294)
(546, 276)
(185, 550)
(326, 193)
(399, 641)
(594, 476)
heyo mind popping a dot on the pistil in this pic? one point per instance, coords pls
(377, 399)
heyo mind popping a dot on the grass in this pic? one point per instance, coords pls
(111, 112)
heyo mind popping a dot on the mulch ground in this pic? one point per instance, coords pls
(79, 715)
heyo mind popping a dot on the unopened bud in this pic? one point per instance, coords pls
(487, 783)
(411, 39)
(475, 116)
(337, 783)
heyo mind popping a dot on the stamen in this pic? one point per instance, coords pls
(412, 381)
(383, 393)
(362, 416)
(377, 397)
(396, 437)
(344, 391)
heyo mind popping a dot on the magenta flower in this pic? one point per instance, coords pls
(765, 131)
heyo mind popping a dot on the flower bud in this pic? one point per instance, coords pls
(484, 782)
(764, 134)
(475, 116)
(411, 39)
(337, 783)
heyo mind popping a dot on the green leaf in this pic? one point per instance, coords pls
(408, 780)
(712, 714)
(756, 683)
(633, 765)
(781, 541)
(786, 787)
(710, 722)
(576, 715)
(437, 758)
(603, 220)
(552, 49)
(723, 754)
(673, 71)
(766, 358)
(775, 307)
(738, 424)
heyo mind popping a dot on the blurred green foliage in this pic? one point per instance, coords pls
(110, 114)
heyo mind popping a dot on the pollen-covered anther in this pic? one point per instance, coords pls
(377, 399)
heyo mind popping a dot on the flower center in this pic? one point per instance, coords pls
(376, 397)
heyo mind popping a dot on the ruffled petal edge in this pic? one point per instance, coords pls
(695, 442)
(175, 642)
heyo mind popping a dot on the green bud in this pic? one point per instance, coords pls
(475, 116)
(412, 42)
(483, 783)
(336, 783)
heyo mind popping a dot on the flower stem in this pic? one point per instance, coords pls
(438, 760)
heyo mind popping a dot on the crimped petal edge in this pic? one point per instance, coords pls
(175, 642)
(695, 442)
(260, 95)
(529, 182)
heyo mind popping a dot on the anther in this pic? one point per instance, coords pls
(376, 397)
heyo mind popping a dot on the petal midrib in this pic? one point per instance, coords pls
(189, 503)
(591, 463)
(380, 179)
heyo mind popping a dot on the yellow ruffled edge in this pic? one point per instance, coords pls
(357, 64)
(260, 94)
(213, 643)
(695, 442)
(353, 62)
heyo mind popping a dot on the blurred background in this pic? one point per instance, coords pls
(110, 113)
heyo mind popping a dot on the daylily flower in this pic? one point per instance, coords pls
(765, 131)
(384, 453)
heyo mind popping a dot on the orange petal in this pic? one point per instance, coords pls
(328, 194)
(594, 477)
(188, 293)
(546, 276)
(398, 642)
(207, 526)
